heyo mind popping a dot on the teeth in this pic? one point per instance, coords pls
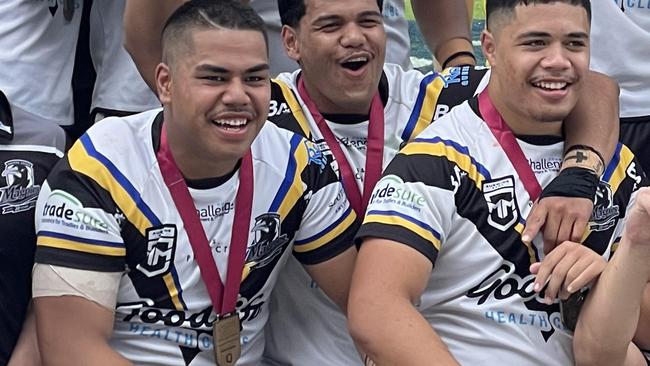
(551, 85)
(358, 59)
(231, 122)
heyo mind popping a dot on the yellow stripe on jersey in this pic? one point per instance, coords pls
(59, 243)
(295, 107)
(430, 102)
(440, 149)
(296, 190)
(82, 162)
(531, 251)
(331, 235)
(399, 221)
(620, 172)
(173, 291)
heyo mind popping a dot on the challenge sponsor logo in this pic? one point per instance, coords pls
(500, 197)
(545, 165)
(64, 209)
(19, 193)
(212, 212)
(605, 213)
(392, 190)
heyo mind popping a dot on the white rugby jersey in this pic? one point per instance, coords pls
(453, 195)
(38, 49)
(620, 39)
(106, 208)
(306, 327)
(118, 86)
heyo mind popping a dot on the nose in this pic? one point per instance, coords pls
(556, 57)
(236, 93)
(353, 36)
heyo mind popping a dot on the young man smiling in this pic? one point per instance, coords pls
(444, 273)
(126, 256)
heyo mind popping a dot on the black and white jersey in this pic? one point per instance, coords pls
(105, 207)
(306, 327)
(454, 196)
(29, 148)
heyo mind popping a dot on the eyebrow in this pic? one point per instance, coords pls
(221, 70)
(325, 18)
(535, 34)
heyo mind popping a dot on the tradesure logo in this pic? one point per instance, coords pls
(61, 205)
(392, 188)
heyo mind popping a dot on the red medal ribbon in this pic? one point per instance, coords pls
(509, 144)
(223, 299)
(374, 151)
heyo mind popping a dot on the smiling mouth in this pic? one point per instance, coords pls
(233, 124)
(355, 64)
(551, 86)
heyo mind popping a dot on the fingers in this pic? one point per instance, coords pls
(551, 231)
(565, 270)
(534, 222)
(590, 273)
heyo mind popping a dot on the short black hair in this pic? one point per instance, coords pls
(209, 14)
(508, 6)
(291, 11)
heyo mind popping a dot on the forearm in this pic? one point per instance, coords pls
(26, 351)
(642, 336)
(449, 32)
(594, 120)
(391, 331)
(143, 23)
(617, 298)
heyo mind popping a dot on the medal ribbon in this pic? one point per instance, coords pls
(223, 299)
(509, 144)
(374, 150)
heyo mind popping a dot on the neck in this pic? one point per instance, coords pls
(517, 120)
(192, 164)
(326, 105)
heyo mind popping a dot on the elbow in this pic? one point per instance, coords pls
(589, 350)
(363, 324)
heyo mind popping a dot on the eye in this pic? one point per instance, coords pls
(370, 22)
(256, 79)
(576, 44)
(213, 78)
(534, 43)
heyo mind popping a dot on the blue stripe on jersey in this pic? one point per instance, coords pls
(288, 175)
(137, 200)
(461, 149)
(121, 179)
(613, 163)
(103, 243)
(417, 108)
(327, 230)
(391, 217)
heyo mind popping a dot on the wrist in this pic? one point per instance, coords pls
(448, 48)
(583, 156)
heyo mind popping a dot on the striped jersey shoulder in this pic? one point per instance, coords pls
(285, 109)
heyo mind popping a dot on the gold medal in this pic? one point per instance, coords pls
(225, 335)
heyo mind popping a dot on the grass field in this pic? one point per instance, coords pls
(479, 9)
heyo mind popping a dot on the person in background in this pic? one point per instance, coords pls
(146, 215)
(444, 270)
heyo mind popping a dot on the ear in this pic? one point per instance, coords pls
(163, 83)
(290, 41)
(488, 45)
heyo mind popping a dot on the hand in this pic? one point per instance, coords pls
(561, 219)
(567, 268)
(636, 224)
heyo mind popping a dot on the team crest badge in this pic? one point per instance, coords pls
(161, 245)
(19, 192)
(500, 197)
(605, 213)
(268, 242)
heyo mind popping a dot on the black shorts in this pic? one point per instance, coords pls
(635, 133)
